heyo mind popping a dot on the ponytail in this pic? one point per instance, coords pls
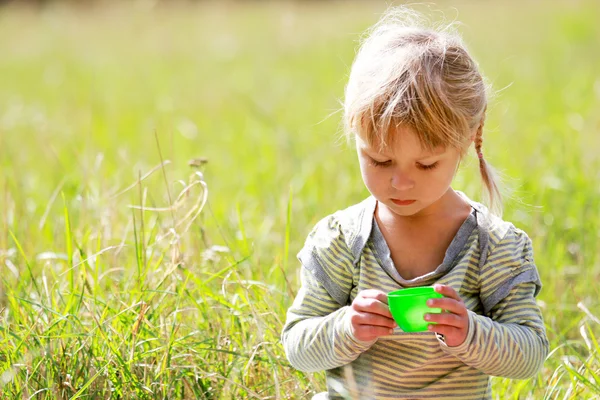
(488, 175)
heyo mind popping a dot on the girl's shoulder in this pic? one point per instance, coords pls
(508, 260)
(497, 233)
(332, 249)
(501, 235)
(349, 227)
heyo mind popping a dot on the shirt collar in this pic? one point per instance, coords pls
(367, 212)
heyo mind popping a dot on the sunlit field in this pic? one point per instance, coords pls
(161, 166)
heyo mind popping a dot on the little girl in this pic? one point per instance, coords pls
(415, 102)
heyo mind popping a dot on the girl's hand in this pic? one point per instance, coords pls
(370, 315)
(453, 322)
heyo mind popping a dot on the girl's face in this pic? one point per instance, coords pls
(406, 179)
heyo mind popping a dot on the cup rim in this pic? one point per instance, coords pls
(414, 291)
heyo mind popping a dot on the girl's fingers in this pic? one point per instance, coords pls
(368, 319)
(447, 319)
(374, 294)
(448, 304)
(373, 305)
(447, 291)
(369, 332)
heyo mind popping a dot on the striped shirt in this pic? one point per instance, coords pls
(490, 265)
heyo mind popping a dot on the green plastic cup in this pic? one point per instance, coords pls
(409, 306)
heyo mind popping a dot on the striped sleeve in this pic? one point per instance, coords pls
(509, 340)
(317, 336)
(509, 263)
(512, 343)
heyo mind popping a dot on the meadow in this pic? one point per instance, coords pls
(162, 164)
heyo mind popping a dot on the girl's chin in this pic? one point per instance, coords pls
(414, 210)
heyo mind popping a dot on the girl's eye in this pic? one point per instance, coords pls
(387, 163)
(426, 167)
(376, 163)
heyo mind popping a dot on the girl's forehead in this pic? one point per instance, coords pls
(406, 144)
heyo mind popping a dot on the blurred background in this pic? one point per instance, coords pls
(161, 163)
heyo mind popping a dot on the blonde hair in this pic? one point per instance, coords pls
(407, 73)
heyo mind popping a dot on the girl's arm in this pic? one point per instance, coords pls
(511, 342)
(317, 335)
(323, 330)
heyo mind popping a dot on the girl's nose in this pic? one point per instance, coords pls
(401, 181)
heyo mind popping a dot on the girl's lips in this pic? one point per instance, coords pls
(403, 202)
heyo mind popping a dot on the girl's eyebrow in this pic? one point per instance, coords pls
(424, 155)
(431, 155)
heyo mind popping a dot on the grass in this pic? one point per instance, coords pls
(118, 279)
